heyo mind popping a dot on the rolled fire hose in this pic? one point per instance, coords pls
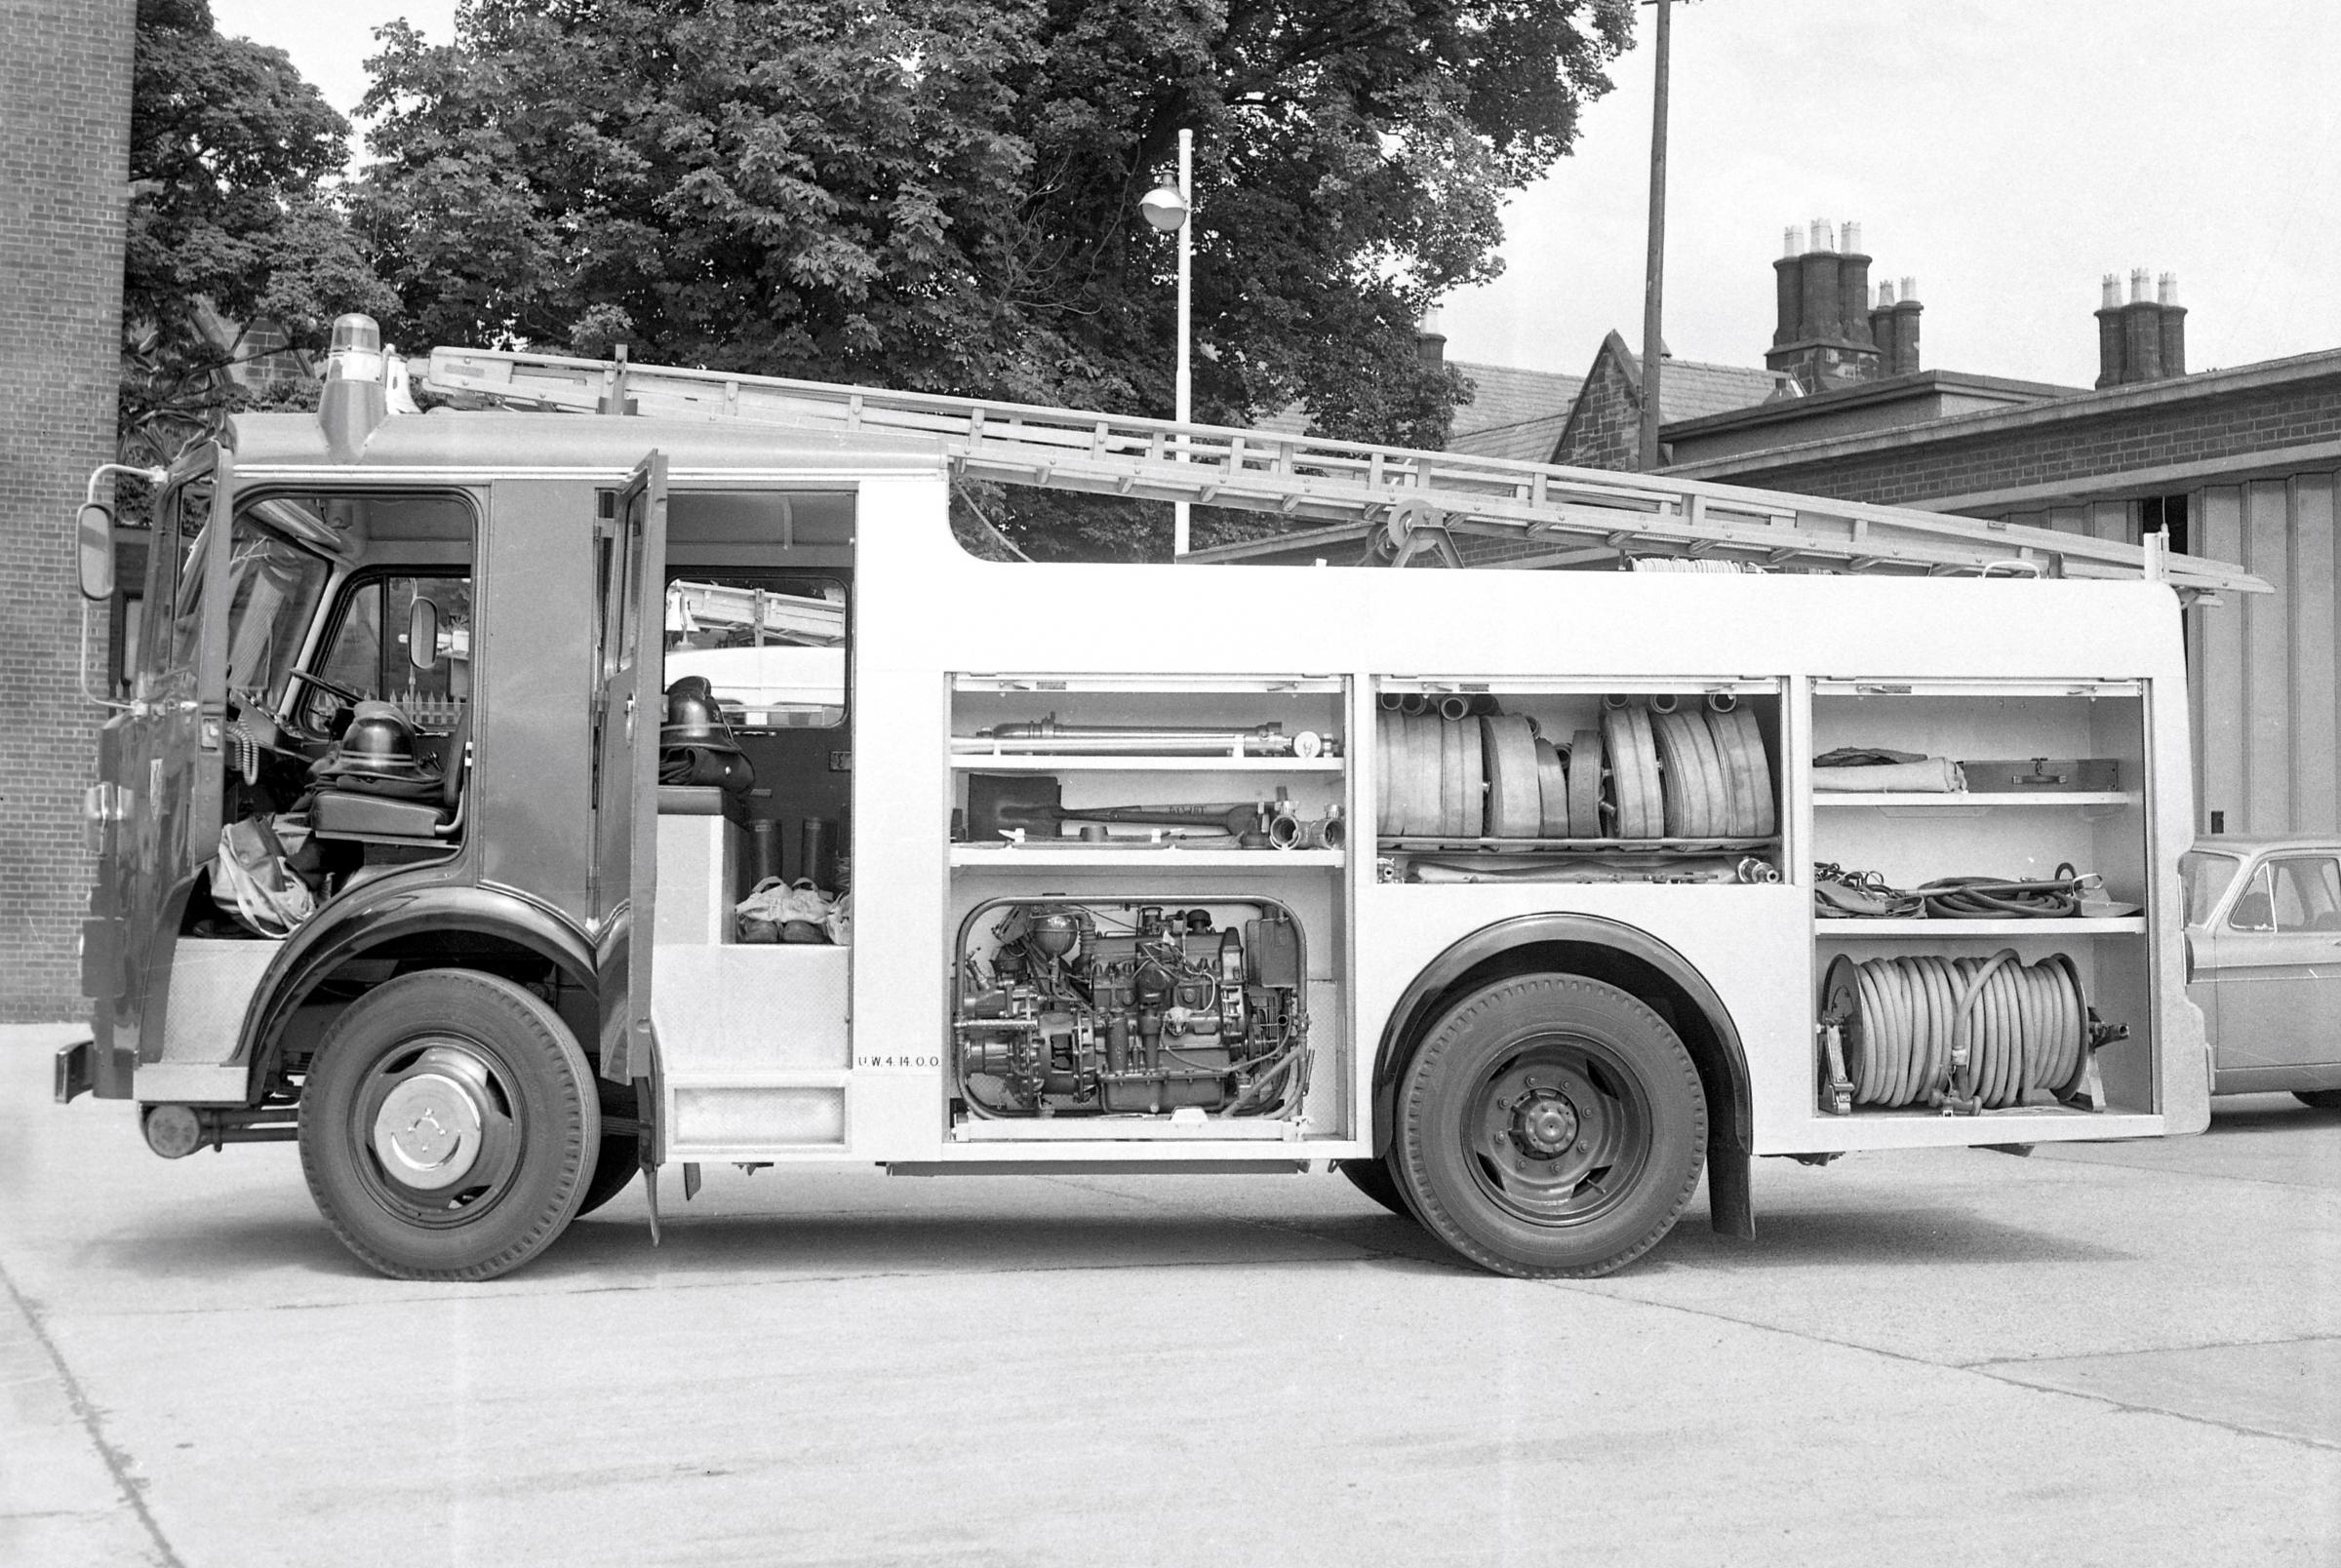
(1552, 790)
(1585, 784)
(1515, 794)
(1975, 1033)
(1671, 771)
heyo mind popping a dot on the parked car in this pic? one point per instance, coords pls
(2264, 963)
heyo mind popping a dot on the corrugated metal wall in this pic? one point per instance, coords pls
(2265, 669)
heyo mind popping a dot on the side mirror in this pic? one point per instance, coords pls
(422, 634)
(95, 528)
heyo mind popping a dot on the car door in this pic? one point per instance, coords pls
(2274, 965)
(625, 794)
(160, 762)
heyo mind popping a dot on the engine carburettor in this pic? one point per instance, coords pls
(1129, 1008)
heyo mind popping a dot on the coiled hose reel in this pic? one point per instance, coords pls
(1963, 1035)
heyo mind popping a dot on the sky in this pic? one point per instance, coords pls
(2005, 154)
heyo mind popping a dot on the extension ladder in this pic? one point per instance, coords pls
(1412, 503)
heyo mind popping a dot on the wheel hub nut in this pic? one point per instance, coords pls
(1545, 1124)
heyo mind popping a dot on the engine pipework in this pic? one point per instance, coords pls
(1125, 1007)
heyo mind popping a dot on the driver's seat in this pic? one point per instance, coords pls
(352, 814)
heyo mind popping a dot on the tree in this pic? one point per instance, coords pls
(941, 194)
(230, 224)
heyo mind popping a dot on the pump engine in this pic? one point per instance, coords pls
(1129, 1008)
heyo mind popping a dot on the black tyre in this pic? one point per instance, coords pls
(619, 1156)
(1549, 1125)
(2319, 1099)
(448, 1126)
(1373, 1178)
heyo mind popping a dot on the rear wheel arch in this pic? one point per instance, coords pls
(1623, 956)
(451, 928)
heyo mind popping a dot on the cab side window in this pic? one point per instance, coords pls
(367, 652)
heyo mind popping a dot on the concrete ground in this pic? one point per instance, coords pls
(2120, 1355)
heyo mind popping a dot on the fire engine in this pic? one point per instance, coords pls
(626, 767)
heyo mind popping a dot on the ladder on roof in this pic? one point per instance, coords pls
(1413, 504)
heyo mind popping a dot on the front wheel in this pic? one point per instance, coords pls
(1551, 1127)
(449, 1126)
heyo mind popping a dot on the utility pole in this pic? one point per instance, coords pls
(1654, 274)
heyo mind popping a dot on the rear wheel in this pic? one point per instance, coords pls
(1549, 1125)
(2319, 1099)
(448, 1126)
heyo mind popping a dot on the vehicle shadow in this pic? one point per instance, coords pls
(614, 1248)
(1903, 1237)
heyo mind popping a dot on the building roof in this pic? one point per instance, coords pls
(1512, 412)
(1690, 391)
(2140, 400)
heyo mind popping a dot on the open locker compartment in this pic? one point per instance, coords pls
(1082, 769)
(2050, 788)
(1147, 910)
(1080, 1023)
(1490, 781)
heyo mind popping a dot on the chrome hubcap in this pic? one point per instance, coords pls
(428, 1131)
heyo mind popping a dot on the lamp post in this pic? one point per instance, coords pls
(1167, 208)
(1653, 284)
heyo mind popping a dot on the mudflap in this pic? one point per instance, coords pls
(1731, 1205)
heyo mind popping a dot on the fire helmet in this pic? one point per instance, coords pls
(693, 718)
(379, 743)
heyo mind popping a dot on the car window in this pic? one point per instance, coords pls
(2206, 877)
(2305, 893)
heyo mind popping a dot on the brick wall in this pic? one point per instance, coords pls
(2061, 447)
(65, 137)
(1605, 429)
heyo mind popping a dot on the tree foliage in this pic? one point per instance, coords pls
(942, 194)
(230, 223)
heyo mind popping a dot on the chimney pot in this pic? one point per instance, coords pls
(1852, 235)
(2139, 286)
(1910, 291)
(1792, 241)
(1886, 292)
(1822, 239)
(2109, 292)
(2167, 289)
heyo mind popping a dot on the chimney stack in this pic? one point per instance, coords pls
(1825, 336)
(1853, 287)
(2143, 338)
(1904, 360)
(1430, 343)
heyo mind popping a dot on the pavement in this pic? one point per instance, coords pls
(2111, 1354)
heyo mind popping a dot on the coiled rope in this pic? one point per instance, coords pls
(1962, 1033)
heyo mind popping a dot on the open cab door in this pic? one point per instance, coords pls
(627, 714)
(156, 807)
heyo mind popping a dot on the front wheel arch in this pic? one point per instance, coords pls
(434, 926)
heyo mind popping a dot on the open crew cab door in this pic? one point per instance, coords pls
(627, 719)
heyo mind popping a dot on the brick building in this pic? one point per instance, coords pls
(2240, 464)
(64, 140)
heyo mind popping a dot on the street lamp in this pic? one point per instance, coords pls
(1167, 208)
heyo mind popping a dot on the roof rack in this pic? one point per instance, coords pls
(1413, 504)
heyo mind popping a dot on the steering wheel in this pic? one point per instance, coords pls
(333, 689)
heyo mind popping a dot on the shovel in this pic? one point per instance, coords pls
(1035, 803)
